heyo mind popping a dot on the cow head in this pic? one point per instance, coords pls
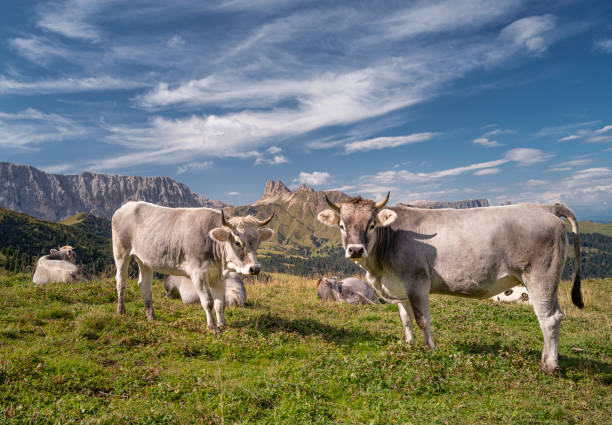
(240, 237)
(65, 253)
(357, 218)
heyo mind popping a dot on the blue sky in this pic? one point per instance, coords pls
(438, 100)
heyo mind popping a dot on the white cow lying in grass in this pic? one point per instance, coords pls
(350, 290)
(516, 294)
(181, 287)
(58, 266)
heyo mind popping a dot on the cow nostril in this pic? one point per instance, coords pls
(255, 269)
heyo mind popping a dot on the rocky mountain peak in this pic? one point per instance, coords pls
(275, 188)
(54, 197)
(304, 188)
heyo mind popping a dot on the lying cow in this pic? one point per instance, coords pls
(480, 252)
(350, 290)
(198, 243)
(516, 294)
(181, 287)
(58, 266)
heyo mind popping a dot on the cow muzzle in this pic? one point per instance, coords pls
(356, 251)
(254, 269)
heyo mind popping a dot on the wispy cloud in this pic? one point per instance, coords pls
(31, 127)
(72, 18)
(487, 172)
(483, 141)
(591, 135)
(603, 45)
(192, 166)
(387, 142)
(534, 33)
(66, 85)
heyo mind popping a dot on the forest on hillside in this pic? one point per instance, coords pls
(24, 239)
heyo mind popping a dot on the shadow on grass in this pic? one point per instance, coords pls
(571, 365)
(268, 324)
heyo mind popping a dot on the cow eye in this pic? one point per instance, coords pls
(237, 243)
(341, 226)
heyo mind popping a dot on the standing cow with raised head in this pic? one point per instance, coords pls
(411, 252)
(198, 243)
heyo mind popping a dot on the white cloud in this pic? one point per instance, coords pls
(71, 19)
(603, 45)
(483, 141)
(190, 166)
(275, 160)
(527, 156)
(274, 150)
(387, 142)
(233, 193)
(316, 178)
(66, 85)
(487, 172)
(31, 127)
(37, 49)
(590, 135)
(604, 129)
(534, 33)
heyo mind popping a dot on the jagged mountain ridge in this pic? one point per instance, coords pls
(54, 197)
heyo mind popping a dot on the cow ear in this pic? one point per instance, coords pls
(329, 218)
(386, 217)
(265, 234)
(53, 250)
(219, 234)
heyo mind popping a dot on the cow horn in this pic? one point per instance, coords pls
(381, 204)
(224, 221)
(266, 221)
(331, 204)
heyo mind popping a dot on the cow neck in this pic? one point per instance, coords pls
(379, 248)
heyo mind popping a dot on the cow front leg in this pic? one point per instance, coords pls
(407, 318)
(218, 293)
(420, 307)
(200, 282)
(145, 282)
(121, 277)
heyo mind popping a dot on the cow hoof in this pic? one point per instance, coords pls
(120, 309)
(214, 330)
(150, 316)
(549, 370)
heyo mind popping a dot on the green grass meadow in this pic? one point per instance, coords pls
(285, 358)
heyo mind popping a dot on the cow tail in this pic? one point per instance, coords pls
(561, 210)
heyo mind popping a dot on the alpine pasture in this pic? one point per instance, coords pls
(66, 357)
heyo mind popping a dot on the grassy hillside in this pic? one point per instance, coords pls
(65, 357)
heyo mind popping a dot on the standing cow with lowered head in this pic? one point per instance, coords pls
(350, 290)
(198, 243)
(411, 252)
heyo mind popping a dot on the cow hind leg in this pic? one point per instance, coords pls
(122, 263)
(145, 282)
(407, 318)
(420, 308)
(546, 306)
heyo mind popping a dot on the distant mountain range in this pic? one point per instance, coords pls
(301, 244)
(54, 197)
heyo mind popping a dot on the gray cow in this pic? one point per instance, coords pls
(480, 252)
(350, 290)
(198, 243)
(58, 266)
(181, 287)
